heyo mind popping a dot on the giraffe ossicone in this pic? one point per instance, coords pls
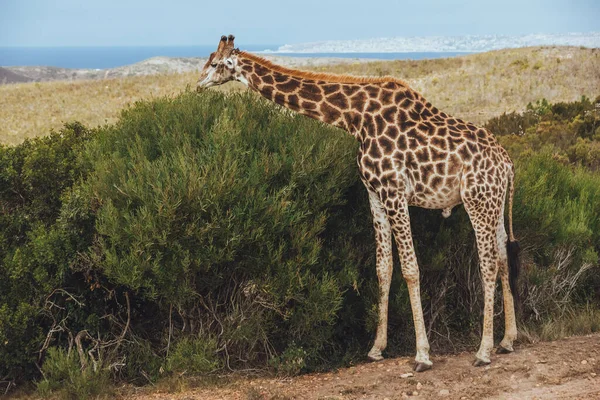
(410, 154)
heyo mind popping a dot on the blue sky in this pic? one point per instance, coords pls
(200, 22)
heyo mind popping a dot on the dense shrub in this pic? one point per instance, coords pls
(35, 253)
(571, 129)
(558, 219)
(222, 208)
(200, 216)
(212, 231)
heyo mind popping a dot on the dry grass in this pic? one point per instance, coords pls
(574, 322)
(475, 87)
(480, 86)
(32, 109)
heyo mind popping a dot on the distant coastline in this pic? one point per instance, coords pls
(442, 44)
(103, 58)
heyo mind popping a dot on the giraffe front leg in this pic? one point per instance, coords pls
(383, 239)
(410, 271)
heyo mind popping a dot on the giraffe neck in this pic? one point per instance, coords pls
(337, 100)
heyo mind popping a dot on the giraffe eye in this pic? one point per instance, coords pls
(214, 65)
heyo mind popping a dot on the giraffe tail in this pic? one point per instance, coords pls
(512, 245)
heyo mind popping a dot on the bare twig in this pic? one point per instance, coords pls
(120, 339)
(145, 375)
(10, 384)
(81, 335)
(170, 328)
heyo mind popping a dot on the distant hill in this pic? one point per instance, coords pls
(8, 76)
(151, 66)
(154, 66)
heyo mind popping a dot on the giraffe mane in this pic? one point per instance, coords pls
(321, 76)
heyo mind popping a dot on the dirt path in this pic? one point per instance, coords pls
(564, 369)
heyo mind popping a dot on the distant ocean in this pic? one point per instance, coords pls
(111, 57)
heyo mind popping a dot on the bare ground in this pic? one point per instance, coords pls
(563, 369)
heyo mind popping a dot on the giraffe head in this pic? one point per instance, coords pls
(221, 66)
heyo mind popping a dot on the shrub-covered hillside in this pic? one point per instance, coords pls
(215, 232)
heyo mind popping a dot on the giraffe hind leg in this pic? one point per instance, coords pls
(482, 211)
(488, 258)
(510, 324)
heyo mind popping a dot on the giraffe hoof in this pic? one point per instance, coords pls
(480, 363)
(503, 350)
(375, 356)
(421, 366)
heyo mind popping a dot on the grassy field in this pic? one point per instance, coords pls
(480, 86)
(475, 87)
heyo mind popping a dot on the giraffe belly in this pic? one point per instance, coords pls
(444, 196)
(436, 201)
(400, 182)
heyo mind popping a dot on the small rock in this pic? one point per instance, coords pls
(379, 365)
(593, 374)
(386, 398)
(415, 393)
(407, 375)
(444, 392)
(583, 362)
(419, 386)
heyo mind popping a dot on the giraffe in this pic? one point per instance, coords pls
(410, 154)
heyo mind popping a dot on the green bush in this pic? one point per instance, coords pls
(35, 250)
(569, 128)
(211, 211)
(224, 207)
(64, 375)
(291, 361)
(194, 355)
